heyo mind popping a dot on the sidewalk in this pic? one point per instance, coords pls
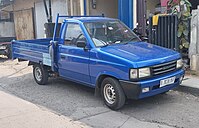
(191, 81)
(17, 113)
(190, 84)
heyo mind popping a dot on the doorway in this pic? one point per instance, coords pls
(76, 7)
(24, 24)
(98, 7)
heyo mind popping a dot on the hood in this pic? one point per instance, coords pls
(141, 53)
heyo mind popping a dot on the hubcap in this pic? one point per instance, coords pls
(38, 74)
(109, 94)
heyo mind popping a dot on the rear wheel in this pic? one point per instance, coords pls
(40, 74)
(112, 93)
(8, 52)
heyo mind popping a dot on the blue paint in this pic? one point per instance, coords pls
(85, 7)
(154, 82)
(86, 66)
(56, 24)
(125, 12)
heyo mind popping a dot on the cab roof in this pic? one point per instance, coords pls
(90, 19)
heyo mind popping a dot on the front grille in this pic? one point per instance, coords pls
(163, 68)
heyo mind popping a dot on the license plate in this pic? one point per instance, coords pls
(166, 82)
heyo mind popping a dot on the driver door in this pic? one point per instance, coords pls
(73, 61)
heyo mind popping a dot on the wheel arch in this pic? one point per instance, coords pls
(100, 78)
(34, 63)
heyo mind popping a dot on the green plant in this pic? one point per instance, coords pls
(182, 8)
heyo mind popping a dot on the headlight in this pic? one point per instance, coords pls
(139, 73)
(133, 74)
(179, 63)
(144, 72)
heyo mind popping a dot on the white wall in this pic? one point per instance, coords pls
(7, 29)
(194, 44)
(58, 6)
(40, 19)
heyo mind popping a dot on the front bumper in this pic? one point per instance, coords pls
(133, 90)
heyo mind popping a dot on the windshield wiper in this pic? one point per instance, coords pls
(107, 44)
(104, 43)
(132, 39)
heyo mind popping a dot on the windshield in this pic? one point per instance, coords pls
(109, 32)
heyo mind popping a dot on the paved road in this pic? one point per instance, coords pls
(174, 109)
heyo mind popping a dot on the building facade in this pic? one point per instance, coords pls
(30, 15)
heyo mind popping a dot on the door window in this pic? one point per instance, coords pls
(73, 35)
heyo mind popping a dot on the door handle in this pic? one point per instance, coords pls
(63, 57)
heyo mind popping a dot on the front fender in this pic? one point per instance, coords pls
(108, 65)
(108, 73)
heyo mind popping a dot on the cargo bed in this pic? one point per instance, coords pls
(33, 50)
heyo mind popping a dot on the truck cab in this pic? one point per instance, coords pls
(104, 54)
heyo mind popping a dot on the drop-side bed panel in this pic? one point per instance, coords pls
(32, 50)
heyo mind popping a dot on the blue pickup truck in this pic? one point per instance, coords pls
(104, 54)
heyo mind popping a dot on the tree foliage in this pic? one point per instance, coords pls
(182, 8)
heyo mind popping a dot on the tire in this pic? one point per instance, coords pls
(112, 93)
(9, 55)
(40, 74)
(8, 52)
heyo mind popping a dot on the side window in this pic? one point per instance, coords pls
(73, 34)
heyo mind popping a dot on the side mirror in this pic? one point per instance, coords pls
(81, 44)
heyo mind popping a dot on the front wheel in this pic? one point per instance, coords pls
(112, 93)
(40, 74)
